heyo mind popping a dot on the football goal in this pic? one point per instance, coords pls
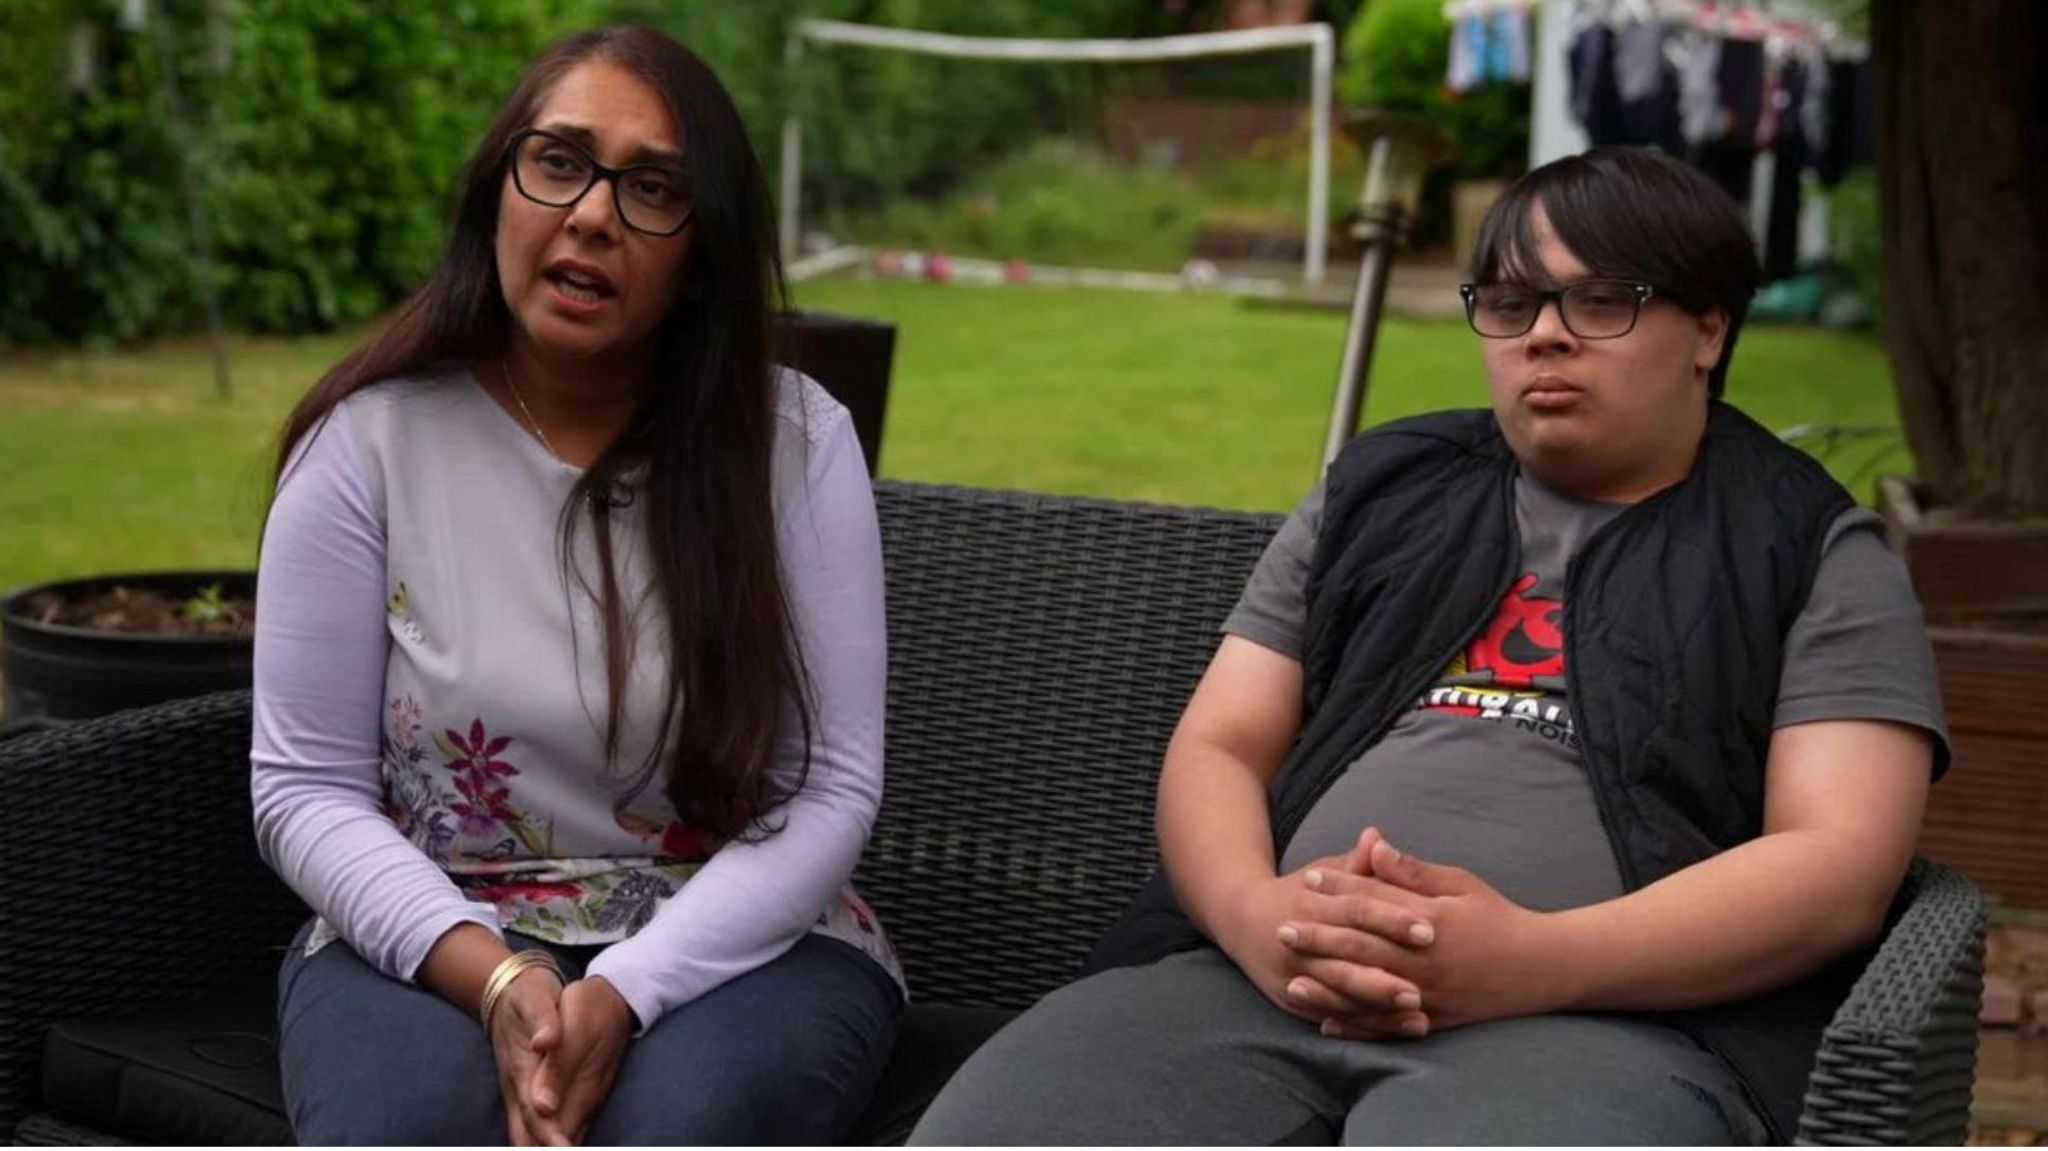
(1173, 162)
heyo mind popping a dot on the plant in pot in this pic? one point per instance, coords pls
(1965, 231)
(1394, 54)
(79, 648)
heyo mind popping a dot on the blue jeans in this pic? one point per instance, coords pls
(788, 1053)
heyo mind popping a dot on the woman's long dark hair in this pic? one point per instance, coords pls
(704, 433)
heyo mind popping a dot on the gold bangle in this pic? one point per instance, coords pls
(502, 976)
(509, 969)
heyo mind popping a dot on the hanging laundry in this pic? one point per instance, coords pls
(1489, 45)
(1767, 115)
(1644, 81)
(1863, 125)
(1741, 83)
(1638, 60)
(1848, 143)
(1507, 47)
(1813, 110)
(1468, 63)
(1596, 102)
(1789, 145)
(1729, 152)
(1698, 57)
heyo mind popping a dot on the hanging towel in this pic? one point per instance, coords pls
(1511, 33)
(1699, 86)
(1781, 234)
(1813, 111)
(1741, 81)
(1595, 102)
(1639, 65)
(1648, 91)
(1468, 64)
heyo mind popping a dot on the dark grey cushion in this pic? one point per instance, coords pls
(931, 1044)
(202, 1073)
(46, 1130)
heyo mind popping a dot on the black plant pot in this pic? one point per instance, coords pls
(851, 357)
(55, 672)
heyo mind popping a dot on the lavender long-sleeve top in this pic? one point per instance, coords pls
(430, 703)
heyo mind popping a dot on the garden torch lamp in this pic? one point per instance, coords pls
(1400, 151)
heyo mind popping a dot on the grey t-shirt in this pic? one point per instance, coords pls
(1483, 772)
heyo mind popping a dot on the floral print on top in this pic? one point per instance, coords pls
(454, 801)
(451, 794)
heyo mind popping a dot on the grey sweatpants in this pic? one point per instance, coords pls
(1188, 1051)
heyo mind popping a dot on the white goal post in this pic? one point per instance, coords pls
(1318, 38)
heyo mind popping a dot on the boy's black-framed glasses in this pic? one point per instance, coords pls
(549, 170)
(1590, 309)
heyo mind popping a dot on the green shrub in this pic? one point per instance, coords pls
(1395, 55)
(325, 153)
(328, 145)
(100, 239)
(880, 124)
(1858, 239)
(1057, 200)
(1051, 201)
(337, 139)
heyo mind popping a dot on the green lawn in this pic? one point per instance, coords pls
(123, 460)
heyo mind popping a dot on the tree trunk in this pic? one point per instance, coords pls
(1962, 156)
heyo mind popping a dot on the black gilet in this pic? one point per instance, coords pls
(1676, 613)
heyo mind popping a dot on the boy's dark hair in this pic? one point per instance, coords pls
(1630, 214)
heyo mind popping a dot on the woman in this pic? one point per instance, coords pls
(569, 685)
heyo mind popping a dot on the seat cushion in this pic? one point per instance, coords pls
(931, 1044)
(202, 1073)
(46, 1130)
(207, 1073)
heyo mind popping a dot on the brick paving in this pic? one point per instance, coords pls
(2011, 1107)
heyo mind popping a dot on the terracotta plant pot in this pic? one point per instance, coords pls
(1470, 201)
(1985, 588)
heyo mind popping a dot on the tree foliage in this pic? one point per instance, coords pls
(327, 134)
(325, 149)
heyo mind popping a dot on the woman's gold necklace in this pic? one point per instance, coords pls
(506, 367)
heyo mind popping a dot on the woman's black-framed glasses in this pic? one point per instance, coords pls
(651, 198)
(1590, 309)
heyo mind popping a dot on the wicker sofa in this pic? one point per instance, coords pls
(1042, 648)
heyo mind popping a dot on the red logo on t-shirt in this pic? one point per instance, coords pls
(1494, 678)
(1525, 639)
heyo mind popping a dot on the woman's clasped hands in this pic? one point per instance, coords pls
(558, 1048)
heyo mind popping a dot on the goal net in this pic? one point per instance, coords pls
(1176, 162)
